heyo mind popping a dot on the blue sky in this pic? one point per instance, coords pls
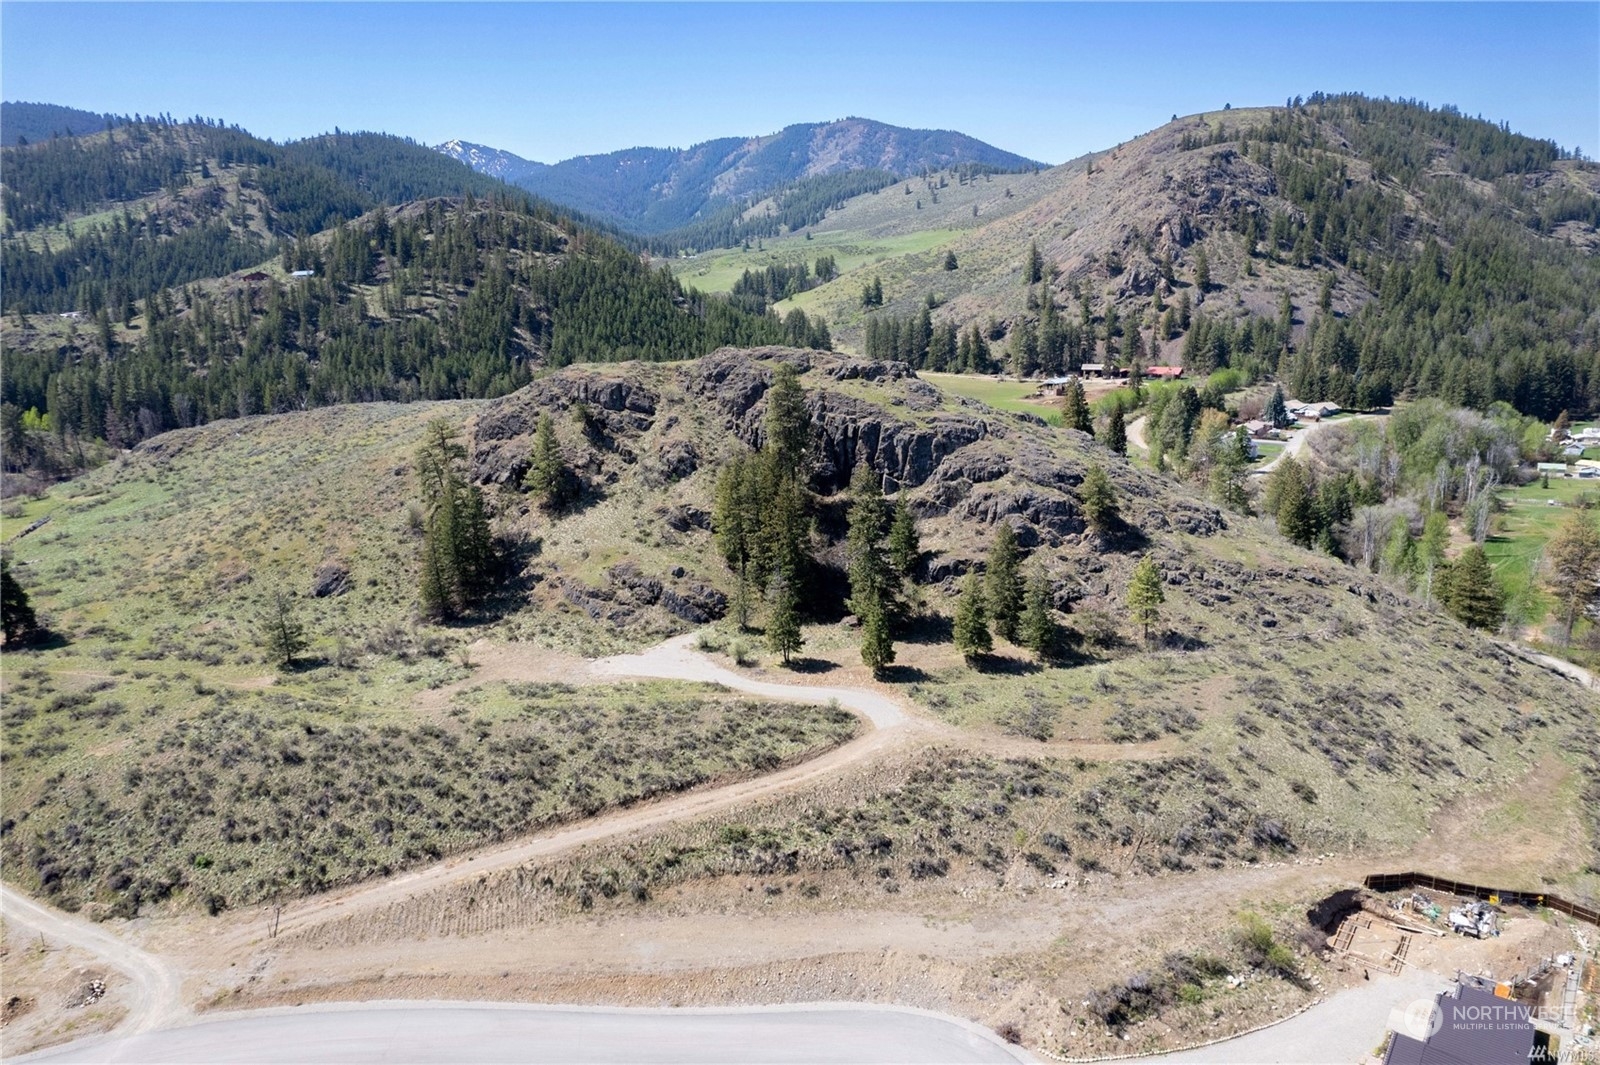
(549, 81)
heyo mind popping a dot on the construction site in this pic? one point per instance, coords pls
(1532, 956)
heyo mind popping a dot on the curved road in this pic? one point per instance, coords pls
(676, 660)
(155, 995)
(672, 660)
(384, 1032)
(1344, 1027)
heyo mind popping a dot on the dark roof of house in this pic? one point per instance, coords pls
(1475, 1028)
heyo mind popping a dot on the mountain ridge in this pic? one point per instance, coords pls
(652, 190)
(495, 162)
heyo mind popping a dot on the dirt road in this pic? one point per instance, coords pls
(1136, 433)
(889, 725)
(155, 997)
(1299, 441)
(1569, 669)
(675, 660)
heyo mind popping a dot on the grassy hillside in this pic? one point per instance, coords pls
(1390, 229)
(151, 752)
(1292, 705)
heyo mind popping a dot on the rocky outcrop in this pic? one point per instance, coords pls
(959, 459)
(629, 591)
(618, 408)
(849, 429)
(331, 579)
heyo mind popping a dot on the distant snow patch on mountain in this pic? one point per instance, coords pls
(492, 161)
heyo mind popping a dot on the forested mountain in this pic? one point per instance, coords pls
(1391, 248)
(381, 270)
(653, 190)
(492, 161)
(29, 123)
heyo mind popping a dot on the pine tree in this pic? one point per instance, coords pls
(864, 548)
(785, 529)
(1075, 412)
(1003, 582)
(1099, 500)
(473, 544)
(971, 623)
(282, 635)
(457, 546)
(905, 548)
(1472, 595)
(1276, 413)
(877, 643)
(732, 520)
(548, 477)
(1572, 564)
(783, 625)
(19, 621)
(1202, 271)
(1039, 630)
(788, 426)
(1292, 503)
(950, 260)
(439, 586)
(1116, 431)
(1431, 552)
(1033, 271)
(1145, 595)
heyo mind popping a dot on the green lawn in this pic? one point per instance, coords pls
(1269, 450)
(1523, 528)
(1001, 395)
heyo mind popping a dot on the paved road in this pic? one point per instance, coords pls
(1339, 1031)
(384, 1033)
